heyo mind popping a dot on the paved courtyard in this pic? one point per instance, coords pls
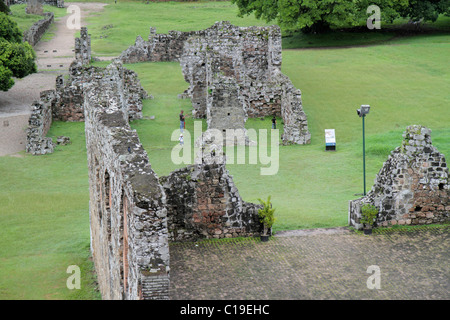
(320, 264)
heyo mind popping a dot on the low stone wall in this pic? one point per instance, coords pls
(128, 219)
(412, 187)
(203, 202)
(37, 30)
(38, 125)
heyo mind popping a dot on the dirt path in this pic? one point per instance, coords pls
(53, 58)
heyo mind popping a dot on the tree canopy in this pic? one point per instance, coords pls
(318, 16)
(17, 58)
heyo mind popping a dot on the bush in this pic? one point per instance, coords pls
(9, 30)
(4, 8)
(6, 80)
(17, 58)
(368, 214)
(266, 215)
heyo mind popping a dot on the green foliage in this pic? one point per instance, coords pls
(6, 80)
(4, 8)
(368, 214)
(266, 214)
(320, 16)
(9, 30)
(17, 58)
(428, 10)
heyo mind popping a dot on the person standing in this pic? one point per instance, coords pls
(274, 122)
(181, 140)
(182, 123)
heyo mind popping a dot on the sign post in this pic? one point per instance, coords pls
(330, 140)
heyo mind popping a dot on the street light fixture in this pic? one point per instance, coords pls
(362, 112)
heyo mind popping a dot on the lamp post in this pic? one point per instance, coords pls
(362, 112)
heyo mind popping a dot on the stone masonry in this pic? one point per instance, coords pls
(38, 125)
(128, 218)
(66, 102)
(203, 202)
(412, 187)
(37, 30)
(133, 213)
(251, 56)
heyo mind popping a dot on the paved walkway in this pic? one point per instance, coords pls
(317, 264)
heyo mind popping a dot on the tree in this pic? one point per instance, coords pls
(427, 10)
(320, 16)
(17, 58)
(305, 15)
(3, 7)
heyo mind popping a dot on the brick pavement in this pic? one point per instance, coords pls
(320, 264)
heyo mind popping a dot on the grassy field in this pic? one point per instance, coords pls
(25, 21)
(44, 199)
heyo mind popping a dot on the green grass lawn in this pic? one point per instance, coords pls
(25, 21)
(44, 200)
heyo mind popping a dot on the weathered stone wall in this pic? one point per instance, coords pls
(37, 30)
(39, 123)
(251, 56)
(128, 218)
(56, 3)
(203, 202)
(412, 187)
(70, 93)
(83, 47)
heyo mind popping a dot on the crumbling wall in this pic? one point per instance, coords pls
(83, 47)
(251, 56)
(203, 202)
(56, 3)
(39, 123)
(412, 187)
(128, 218)
(37, 30)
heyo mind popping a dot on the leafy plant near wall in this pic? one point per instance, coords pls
(266, 215)
(368, 215)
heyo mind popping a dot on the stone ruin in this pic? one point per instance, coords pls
(412, 187)
(66, 101)
(128, 218)
(133, 213)
(56, 3)
(247, 60)
(34, 7)
(83, 47)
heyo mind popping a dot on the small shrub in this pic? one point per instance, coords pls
(368, 214)
(266, 214)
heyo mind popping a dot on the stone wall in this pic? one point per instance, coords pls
(70, 93)
(37, 30)
(251, 56)
(128, 218)
(56, 3)
(203, 202)
(412, 187)
(39, 123)
(83, 47)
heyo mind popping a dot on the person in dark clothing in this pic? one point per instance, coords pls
(274, 122)
(182, 123)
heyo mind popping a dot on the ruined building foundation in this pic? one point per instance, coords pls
(247, 59)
